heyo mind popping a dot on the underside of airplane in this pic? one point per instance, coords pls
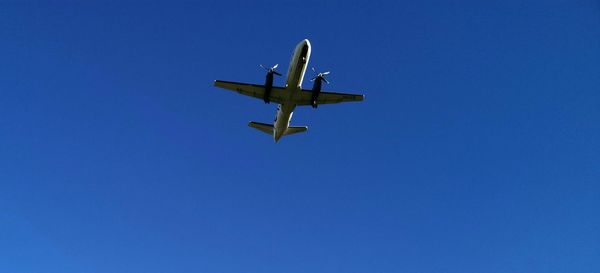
(290, 95)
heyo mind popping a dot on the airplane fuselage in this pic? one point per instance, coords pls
(289, 96)
(295, 75)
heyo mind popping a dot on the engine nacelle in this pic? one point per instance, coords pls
(268, 87)
(316, 90)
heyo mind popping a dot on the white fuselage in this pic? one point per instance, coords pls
(295, 75)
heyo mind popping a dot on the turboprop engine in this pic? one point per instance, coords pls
(318, 82)
(269, 81)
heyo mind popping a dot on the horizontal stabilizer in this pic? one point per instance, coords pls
(268, 128)
(295, 129)
(264, 127)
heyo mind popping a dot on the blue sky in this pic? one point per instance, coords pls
(476, 150)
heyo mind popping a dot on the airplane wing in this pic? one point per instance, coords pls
(253, 90)
(305, 97)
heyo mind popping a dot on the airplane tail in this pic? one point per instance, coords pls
(268, 128)
(263, 127)
(295, 129)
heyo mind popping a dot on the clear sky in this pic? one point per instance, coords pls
(477, 148)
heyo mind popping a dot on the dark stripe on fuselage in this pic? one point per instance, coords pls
(301, 62)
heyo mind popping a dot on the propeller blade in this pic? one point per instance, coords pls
(325, 73)
(271, 70)
(326, 81)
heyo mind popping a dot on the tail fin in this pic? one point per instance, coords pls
(266, 128)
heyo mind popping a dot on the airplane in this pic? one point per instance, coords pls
(291, 95)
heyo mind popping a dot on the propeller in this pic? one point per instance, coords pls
(272, 69)
(320, 75)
